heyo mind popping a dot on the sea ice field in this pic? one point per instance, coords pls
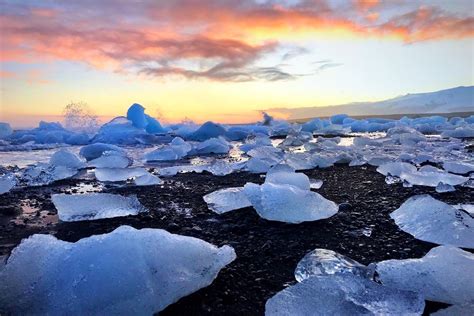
(333, 216)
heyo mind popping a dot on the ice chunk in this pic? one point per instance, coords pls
(225, 200)
(343, 294)
(443, 188)
(44, 174)
(315, 183)
(111, 159)
(153, 125)
(328, 262)
(211, 146)
(288, 203)
(460, 132)
(118, 174)
(257, 165)
(67, 159)
(5, 130)
(396, 168)
(432, 177)
(125, 272)
(434, 221)
(148, 179)
(458, 167)
(206, 131)
(284, 174)
(136, 114)
(444, 274)
(456, 310)
(96, 150)
(7, 182)
(338, 118)
(178, 149)
(92, 206)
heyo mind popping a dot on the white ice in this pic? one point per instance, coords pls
(111, 159)
(125, 272)
(92, 206)
(66, 158)
(96, 150)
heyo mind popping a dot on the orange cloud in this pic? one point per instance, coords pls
(217, 40)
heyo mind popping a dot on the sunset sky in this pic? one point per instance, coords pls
(225, 60)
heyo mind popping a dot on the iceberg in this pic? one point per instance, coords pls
(93, 151)
(444, 274)
(428, 219)
(92, 206)
(396, 169)
(315, 183)
(178, 149)
(460, 132)
(284, 174)
(225, 200)
(456, 310)
(343, 294)
(328, 262)
(443, 188)
(125, 272)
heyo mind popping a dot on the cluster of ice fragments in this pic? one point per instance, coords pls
(125, 272)
(285, 196)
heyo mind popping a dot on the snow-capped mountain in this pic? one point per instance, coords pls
(460, 99)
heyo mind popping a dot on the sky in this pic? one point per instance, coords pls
(225, 60)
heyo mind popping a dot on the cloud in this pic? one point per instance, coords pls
(214, 40)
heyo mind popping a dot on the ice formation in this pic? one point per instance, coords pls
(206, 131)
(5, 130)
(7, 182)
(444, 274)
(343, 294)
(211, 146)
(66, 158)
(315, 183)
(176, 150)
(92, 206)
(118, 174)
(328, 262)
(225, 200)
(96, 150)
(44, 174)
(285, 196)
(147, 179)
(434, 221)
(288, 203)
(111, 159)
(458, 167)
(125, 272)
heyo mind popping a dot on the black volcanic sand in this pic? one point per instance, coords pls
(267, 252)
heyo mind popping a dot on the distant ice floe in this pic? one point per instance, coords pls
(444, 274)
(434, 221)
(127, 271)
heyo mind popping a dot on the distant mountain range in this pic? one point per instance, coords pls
(460, 99)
